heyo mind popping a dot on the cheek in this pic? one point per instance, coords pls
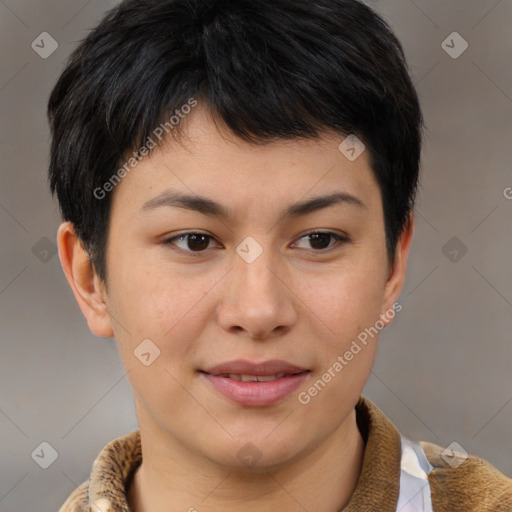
(349, 307)
(148, 297)
(346, 302)
(153, 309)
(162, 306)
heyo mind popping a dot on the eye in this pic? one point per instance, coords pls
(193, 244)
(319, 240)
(190, 242)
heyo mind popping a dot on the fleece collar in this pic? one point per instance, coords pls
(377, 487)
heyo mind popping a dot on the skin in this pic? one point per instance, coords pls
(298, 301)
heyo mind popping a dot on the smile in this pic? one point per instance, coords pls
(255, 390)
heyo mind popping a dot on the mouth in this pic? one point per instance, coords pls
(244, 367)
(255, 384)
(252, 378)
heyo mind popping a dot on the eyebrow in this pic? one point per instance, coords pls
(207, 206)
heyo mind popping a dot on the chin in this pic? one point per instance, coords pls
(255, 454)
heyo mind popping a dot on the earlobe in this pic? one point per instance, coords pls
(396, 278)
(87, 288)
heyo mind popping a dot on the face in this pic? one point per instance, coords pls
(258, 273)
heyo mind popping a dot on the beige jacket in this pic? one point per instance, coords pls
(473, 486)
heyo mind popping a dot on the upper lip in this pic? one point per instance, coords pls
(246, 367)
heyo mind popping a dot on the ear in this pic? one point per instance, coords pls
(396, 277)
(87, 287)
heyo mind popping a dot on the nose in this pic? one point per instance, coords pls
(256, 298)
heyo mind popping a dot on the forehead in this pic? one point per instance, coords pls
(210, 161)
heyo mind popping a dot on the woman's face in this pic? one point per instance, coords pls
(242, 276)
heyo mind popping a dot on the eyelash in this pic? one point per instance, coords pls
(340, 239)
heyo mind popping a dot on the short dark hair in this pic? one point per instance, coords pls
(269, 69)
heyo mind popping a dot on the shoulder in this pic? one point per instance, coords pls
(110, 475)
(466, 483)
(78, 500)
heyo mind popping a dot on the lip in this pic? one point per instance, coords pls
(246, 367)
(256, 394)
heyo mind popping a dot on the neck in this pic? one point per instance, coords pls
(170, 481)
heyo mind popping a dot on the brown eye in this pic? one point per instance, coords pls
(197, 242)
(320, 241)
(190, 242)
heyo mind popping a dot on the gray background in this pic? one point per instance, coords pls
(442, 372)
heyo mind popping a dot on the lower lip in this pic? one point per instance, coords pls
(257, 394)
